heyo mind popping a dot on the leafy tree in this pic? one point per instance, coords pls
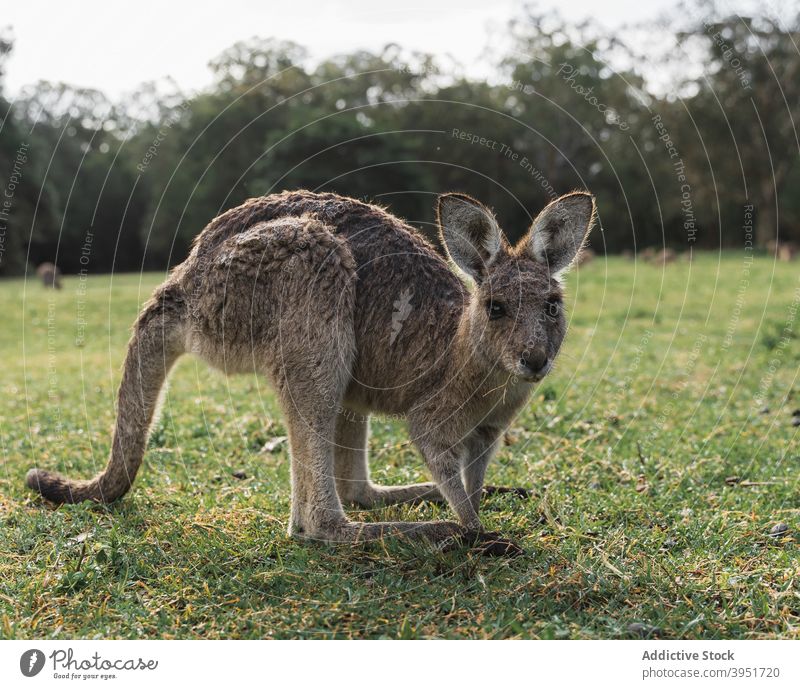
(582, 123)
(569, 108)
(94, 209)
(24, 211)
(747, 106)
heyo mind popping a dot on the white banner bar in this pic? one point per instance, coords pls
(400, 664)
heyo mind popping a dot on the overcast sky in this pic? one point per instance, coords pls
(114, 46)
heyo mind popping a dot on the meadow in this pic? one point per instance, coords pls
(662, 453)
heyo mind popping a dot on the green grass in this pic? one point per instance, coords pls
(633, 447)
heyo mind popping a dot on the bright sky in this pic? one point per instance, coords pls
(114, 46)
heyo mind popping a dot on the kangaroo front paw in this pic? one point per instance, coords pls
(492, 544)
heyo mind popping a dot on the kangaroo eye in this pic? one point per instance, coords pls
(553, 308)
(495, 310)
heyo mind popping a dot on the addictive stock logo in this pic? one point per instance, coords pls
(31, 662)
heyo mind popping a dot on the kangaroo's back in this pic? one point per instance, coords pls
(383, 246)
(407, 300)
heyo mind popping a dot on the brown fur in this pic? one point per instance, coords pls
(50, 275)
(783, 251)
(347, 311)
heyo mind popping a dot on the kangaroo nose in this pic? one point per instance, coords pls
(534, 361)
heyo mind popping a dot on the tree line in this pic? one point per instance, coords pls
(688, 141)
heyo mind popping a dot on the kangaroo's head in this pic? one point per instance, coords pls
(516, 316)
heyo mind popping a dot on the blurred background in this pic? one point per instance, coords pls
(120, 140)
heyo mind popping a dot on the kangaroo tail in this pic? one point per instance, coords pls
(157, 342)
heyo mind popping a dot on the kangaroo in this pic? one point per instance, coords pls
(348, 311)
(50, 275)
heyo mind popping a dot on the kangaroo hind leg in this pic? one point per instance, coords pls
(352, 469)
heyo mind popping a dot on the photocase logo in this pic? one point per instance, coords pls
(31, 662)
(402, 308)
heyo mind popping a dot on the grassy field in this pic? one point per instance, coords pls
(662, 453)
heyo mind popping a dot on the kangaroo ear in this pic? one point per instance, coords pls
(559, 231)
(469, 232)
